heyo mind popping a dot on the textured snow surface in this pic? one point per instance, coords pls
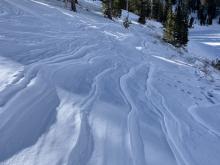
(79, 89)
(205, 40)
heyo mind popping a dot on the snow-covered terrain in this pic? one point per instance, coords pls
(79, 89)
(205, 41)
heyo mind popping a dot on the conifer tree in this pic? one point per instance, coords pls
(116, 8)
(169, 24)
(160, 16)
(184, 28)
(154, 9)
(165, 12)
(148, 9)
(176, 25)
(181, 25)
(107, 8)
(112, 8)
(73, 5)
(157, 10)
(143, 7)
(134, 6)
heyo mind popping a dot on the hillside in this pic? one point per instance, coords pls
(79, 89)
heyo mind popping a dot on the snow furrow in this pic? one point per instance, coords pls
(137, 153)
(78, 89)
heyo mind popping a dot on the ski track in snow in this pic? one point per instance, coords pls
(79, 89)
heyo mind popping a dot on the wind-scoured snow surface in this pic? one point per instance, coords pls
(79, 89)
(205, 40)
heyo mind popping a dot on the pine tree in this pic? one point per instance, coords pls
(157, 10)
(184, 28)
(176, 25)
(160, 12)
(148, 9)
(116, 8)
(181, 25)
(154, 9)
(112, 8)
(134, 6)
(107, 8)
(143, 7)
(169, 24)
(165, 12)
(73, 5)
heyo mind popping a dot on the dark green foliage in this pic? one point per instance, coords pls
(158, 10)
(73, 5)
(161, 12)
(169, 24)
(112, 8)
(181, 26)
(155, 9)
(116, 8)
(134, 6)
(143, 11)
(165, 12)
(107, 8)
(206, 12)
(184, 31)
(147, 9)
(176, 25)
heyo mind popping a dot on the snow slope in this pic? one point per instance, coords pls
(79, 89)
(205, 41)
